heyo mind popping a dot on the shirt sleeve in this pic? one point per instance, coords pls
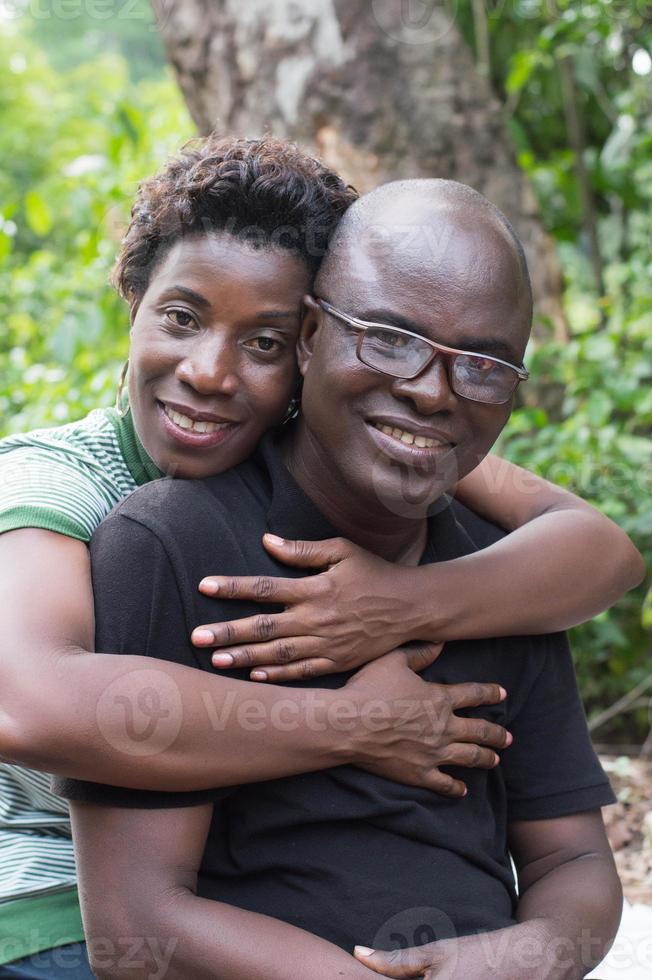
(139, 610)
(38, 489)
(551, 769)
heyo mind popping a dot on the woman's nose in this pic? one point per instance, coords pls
(210, 368)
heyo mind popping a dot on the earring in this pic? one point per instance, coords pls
(292, 410)
(121, 408)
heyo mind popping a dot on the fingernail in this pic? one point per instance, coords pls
(209, 585)
(465, 791)
(203, 636)
(509, 739)
(222, 660)
(503, 693)
(363, 950)
(274, 539)
(258, 675)
(496, 759)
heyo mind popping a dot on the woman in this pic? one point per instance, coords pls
(221, 248)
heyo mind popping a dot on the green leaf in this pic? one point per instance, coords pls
(523, 63)
(38, 214)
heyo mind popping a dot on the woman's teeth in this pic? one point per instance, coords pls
(423, 442)
(184, 422)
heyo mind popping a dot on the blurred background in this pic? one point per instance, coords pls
(544, 105)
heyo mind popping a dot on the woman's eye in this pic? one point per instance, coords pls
(265, 345)
(180, 318)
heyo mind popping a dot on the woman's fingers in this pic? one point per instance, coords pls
(300, 670)
(420, 655)
(308, 554)
(480, 732)
(470, 756)
(258, 588)
(254, 629)
(277, 652)
(474, 694)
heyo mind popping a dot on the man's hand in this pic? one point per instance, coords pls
(405, 727)
(524, 950)
(357, 610)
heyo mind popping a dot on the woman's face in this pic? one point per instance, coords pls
(212, 361)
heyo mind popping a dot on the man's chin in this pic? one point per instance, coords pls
(409, 498)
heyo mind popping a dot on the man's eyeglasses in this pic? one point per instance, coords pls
(403, 354)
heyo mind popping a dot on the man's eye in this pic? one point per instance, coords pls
(389, 338)
(265, 345)
(180, 318)
(480, 365)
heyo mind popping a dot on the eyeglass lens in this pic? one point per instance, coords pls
(471, 375)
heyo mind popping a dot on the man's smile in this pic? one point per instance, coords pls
(408, 439)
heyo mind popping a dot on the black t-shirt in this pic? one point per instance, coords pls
(347, 855)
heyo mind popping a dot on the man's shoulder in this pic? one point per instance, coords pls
(178, 506)
(481, 532)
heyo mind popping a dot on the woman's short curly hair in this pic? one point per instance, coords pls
(264, 191)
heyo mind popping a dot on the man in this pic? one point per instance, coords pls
(410, 356)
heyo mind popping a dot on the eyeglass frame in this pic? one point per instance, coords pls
(361, 326)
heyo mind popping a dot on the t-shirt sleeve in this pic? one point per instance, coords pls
(139, 610)
(551, 769)
(41, 490)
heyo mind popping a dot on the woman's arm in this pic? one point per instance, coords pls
(563, 563)
(151, 923)
(64, 709)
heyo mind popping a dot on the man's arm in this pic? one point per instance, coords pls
(152, 923)
(568, 912)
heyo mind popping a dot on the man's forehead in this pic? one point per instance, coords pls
(450, 279)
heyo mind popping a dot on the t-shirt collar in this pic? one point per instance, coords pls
(292, 514)
(140, 465)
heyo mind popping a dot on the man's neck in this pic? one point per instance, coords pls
(391, 536)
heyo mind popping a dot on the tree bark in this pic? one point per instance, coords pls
(379, 89)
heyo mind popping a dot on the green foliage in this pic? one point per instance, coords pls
(73, 32)
(73, 146)
(597, 443)
(587, 418)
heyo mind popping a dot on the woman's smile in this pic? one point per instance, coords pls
(213, 360)
(196, 429)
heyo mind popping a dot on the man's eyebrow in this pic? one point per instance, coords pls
(190, 294)
(469, 342)
(277, 314)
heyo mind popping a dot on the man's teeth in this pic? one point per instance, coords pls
(423, 442)
(184, 422)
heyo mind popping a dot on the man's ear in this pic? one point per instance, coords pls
(310, 319)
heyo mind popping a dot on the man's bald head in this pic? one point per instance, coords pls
(428, 233)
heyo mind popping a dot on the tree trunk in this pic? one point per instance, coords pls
(379, 89)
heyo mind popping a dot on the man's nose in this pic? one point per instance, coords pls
(430, 391)
(211, 367)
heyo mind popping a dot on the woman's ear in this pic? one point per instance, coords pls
(310, 319)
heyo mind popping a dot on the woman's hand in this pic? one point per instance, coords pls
(406, 728)
(358, 609)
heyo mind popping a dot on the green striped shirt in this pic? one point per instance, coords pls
(65, 479)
